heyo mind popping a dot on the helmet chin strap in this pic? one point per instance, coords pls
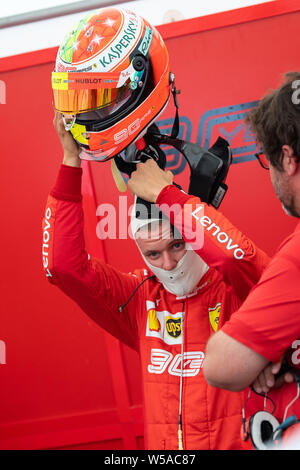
(175, 92)
(69, 121)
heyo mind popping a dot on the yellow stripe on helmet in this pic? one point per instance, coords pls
(77, 131)
(60, 80)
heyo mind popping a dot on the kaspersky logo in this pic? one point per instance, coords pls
(122, 44)
(116, 51)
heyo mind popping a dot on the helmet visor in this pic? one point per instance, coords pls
(76, 93)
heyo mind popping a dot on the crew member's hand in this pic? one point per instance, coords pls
(266, 379)
(70, 147)
(148, 180)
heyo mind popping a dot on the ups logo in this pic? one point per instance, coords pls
(173, 327)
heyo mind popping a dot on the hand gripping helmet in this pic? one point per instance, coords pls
(111, 81)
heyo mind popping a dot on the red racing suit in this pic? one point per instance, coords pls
(169, 333)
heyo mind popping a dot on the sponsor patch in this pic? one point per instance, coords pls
(163, 325)
(153, 322)
(214, 315)
(187, 365)
(146, 42)
(173, 326)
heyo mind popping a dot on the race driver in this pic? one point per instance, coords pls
(167, 313)
(264, 332)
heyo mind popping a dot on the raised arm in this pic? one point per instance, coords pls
(99, 289)
(210, 234)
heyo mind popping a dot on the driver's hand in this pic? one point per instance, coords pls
(70, 147)
(148, 180)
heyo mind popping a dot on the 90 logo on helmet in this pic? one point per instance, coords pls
(124, 134)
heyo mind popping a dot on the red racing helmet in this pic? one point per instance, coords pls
(111, 81)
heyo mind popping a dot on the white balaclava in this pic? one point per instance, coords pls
(184, 278)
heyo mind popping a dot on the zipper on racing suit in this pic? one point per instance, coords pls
(180, 436)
